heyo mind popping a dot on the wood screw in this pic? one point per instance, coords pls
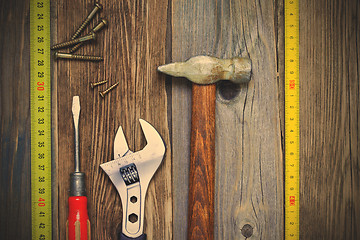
(92, 85)
(97, 7)
(102, 94)
(97, 28)
(89, 37)
(78, 57)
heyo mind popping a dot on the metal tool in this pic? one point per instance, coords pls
(205, 70)
(131, 173)
(89, 37)
(103, 93)
(59, 55)
(78, 224)
(208, 70)
(96, 29)
(87, 20)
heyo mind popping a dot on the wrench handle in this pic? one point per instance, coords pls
(202, 163)
(141, 237)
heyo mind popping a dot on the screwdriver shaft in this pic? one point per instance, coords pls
(76, 114)
(78, 224)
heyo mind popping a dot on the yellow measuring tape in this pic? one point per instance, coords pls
(40, 114)
(292, 144)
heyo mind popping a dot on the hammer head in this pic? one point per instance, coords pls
(208, 70)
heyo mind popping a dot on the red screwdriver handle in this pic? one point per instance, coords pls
(78, 223)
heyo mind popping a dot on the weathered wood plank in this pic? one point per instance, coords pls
(133, 45)
(248, 151)
(249, 155)
(329, 119)
(192, 22)
(329, 112)
(15, 196)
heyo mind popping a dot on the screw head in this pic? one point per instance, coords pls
(99, 5)
(93, 35)
(104, 21)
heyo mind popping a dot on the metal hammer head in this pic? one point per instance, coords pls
(207, 70)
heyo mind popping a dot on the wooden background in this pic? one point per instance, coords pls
(249, 118)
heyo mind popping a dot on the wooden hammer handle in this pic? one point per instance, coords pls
(202, 163)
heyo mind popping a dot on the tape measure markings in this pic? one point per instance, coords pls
(292, 145)
(40, 114)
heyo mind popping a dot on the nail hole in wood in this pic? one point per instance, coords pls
(228, 90)
(247, 230)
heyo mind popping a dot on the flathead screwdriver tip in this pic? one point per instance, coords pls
(76, 105)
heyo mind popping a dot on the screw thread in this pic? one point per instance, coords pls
(78, 57)
(79, 30)
(96, 29)
(97, 7)
(92, 85)
(89, 58)
(76, 47)
(89, 37)
(102, 94)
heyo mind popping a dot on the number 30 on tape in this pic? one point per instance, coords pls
(40, 114)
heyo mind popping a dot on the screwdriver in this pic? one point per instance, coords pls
(78, 224)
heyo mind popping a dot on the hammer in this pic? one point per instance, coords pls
(204, 71)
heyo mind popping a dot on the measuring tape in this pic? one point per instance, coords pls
(292, 144)
(40, 113)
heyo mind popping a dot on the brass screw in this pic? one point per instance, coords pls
(97, 7)
(100, 25)
(102, 94)
(92, 85)
(78, 57)
(97, 28)
(89, 37)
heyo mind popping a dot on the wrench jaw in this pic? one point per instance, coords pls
(121, 147)
(131, 174)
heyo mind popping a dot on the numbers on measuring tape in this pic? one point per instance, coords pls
(291, 119)
(40, 106)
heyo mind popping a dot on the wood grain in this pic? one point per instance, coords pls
(138, 31)
(191, 35)
(133, 46)
(248, 153)
(15, 195)
(329, 119)
(202, 163)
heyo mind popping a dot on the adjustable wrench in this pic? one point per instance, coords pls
(131, 173)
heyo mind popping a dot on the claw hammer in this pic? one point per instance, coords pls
(204, 71)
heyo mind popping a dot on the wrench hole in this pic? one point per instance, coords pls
(133, 218)
(133, 199)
